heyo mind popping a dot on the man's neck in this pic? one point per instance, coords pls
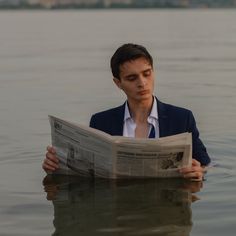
(140, 111)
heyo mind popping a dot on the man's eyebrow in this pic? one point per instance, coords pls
(148, 69)
(130, 75)
(135, 74)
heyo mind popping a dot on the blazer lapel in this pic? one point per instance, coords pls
(162, 118)
(118, 120)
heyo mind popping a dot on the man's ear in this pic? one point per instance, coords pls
(117, 82)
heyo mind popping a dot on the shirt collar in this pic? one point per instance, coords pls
(127, 113)
(153, 114)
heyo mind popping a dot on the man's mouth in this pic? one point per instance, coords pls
(143, 92)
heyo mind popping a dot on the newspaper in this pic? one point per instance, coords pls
(86, 151)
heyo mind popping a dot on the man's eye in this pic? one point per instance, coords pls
(147, 73)
(131, 78)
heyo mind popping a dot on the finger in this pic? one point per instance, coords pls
(47, 167)
(195, 163)
(52, 157)
(51, 149)
(51, 163)
(194, 176)
(191, 169)
(50, 166)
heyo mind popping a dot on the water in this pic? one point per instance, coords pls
(58, 63)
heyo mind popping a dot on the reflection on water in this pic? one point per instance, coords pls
(51, 63)
(124, 207)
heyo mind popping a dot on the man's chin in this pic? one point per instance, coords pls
(144, 97)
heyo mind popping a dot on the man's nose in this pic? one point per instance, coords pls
(141, 81)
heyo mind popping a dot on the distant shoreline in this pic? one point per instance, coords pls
(102, 7)
(111, 8)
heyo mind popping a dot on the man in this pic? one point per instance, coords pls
(143, 115)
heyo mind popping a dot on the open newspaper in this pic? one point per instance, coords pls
(89, 152)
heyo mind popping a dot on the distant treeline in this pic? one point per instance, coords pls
(23, 4)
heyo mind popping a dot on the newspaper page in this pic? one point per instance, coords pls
(86, 151)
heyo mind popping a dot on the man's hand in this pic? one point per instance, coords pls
(194, 173)
(51, 162)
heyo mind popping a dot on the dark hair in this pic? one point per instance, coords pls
(128, 52)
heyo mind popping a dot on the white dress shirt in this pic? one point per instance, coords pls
(130, 126)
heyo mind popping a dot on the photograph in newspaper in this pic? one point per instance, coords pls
(86, 151)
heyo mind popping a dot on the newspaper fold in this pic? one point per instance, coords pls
(89, 152)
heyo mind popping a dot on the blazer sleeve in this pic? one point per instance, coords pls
(199, 150)
(92, 122)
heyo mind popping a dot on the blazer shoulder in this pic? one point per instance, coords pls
(109, 112)
(168, 109)
(105, 117)
(176, 118)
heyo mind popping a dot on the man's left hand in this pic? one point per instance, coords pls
(193, 173)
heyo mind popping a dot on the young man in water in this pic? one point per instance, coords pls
(142, 115)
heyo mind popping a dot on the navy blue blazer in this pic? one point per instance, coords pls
(172, 120)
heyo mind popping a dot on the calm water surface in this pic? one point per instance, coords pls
(58, 63)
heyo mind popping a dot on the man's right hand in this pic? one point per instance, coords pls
(51, 162)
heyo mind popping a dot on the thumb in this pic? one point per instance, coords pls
(195, 163)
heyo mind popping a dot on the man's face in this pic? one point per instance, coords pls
(136, 80)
